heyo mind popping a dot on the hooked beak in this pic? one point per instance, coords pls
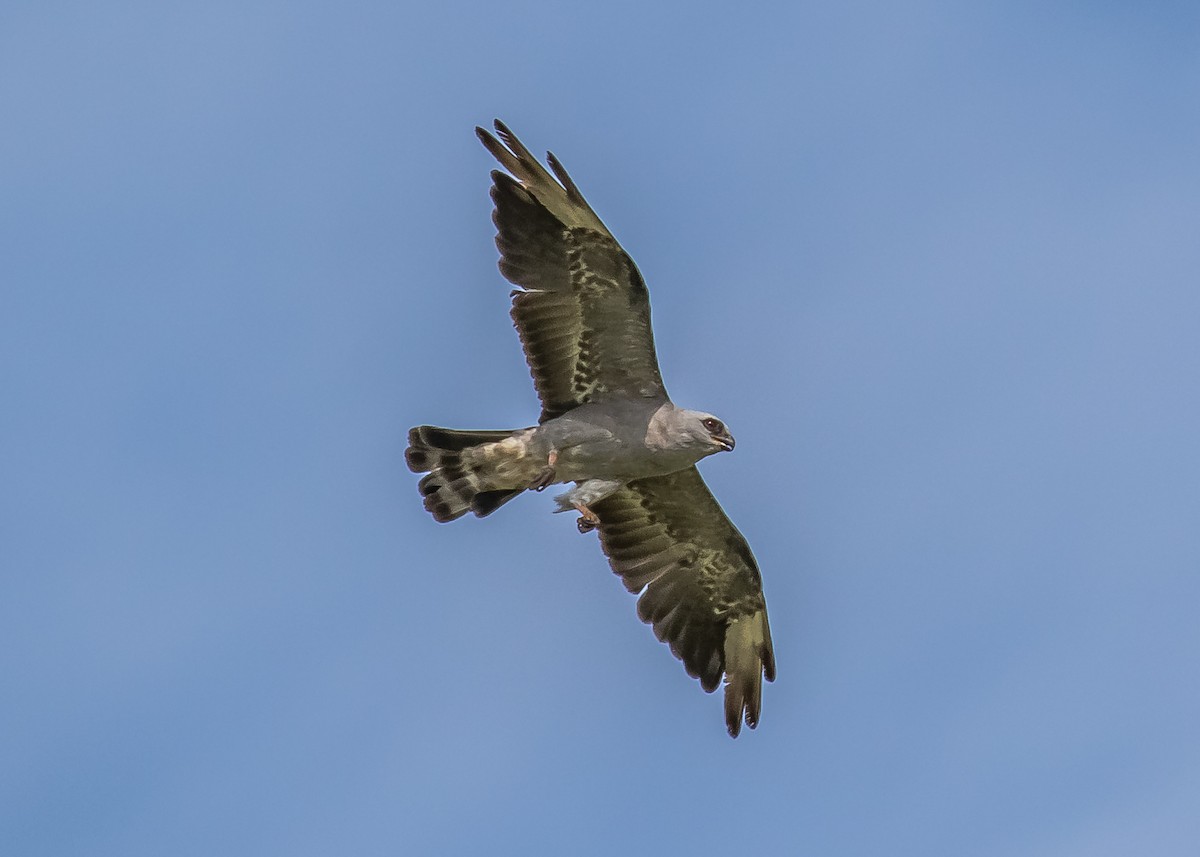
(725, 441)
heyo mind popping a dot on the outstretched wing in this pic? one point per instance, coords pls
(582, 310)
(667, 537)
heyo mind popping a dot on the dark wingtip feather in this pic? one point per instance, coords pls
(565, 180)
(733, 719)
(748, 656)
(742, 704)
(768, 659)
(503, 183)
(735, 704)
(524, 165)
(507, 159)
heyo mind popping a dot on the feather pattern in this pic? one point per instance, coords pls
(582, 310)
(670, 541)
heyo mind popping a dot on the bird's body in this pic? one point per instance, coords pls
(601, 445)
(607, 425)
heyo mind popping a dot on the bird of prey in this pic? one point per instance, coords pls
(582, 312)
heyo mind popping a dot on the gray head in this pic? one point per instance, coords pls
(702, 432)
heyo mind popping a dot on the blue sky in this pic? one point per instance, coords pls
(934, 263)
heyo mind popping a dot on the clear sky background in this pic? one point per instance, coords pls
(935, 263)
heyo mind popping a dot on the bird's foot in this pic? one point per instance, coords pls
(588, 521)
(546, 477)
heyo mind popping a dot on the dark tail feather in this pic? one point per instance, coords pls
(486, 502)
(452, 487)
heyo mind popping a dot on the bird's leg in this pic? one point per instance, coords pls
(546, 477)
(589, 520)
(585, 495)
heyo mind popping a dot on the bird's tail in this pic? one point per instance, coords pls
(461, 472)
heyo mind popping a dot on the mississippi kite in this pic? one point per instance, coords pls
(583, 315)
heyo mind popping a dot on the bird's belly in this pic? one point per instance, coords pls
(615, 460)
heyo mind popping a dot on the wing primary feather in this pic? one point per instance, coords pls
(528, 167)
(501, 154)
(748, 651)
(565, 180)
(734, 704)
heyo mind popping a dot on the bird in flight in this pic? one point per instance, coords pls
(582, 312)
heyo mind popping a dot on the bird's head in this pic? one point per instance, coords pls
(708, 433)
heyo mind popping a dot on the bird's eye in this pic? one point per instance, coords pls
(713, 426)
